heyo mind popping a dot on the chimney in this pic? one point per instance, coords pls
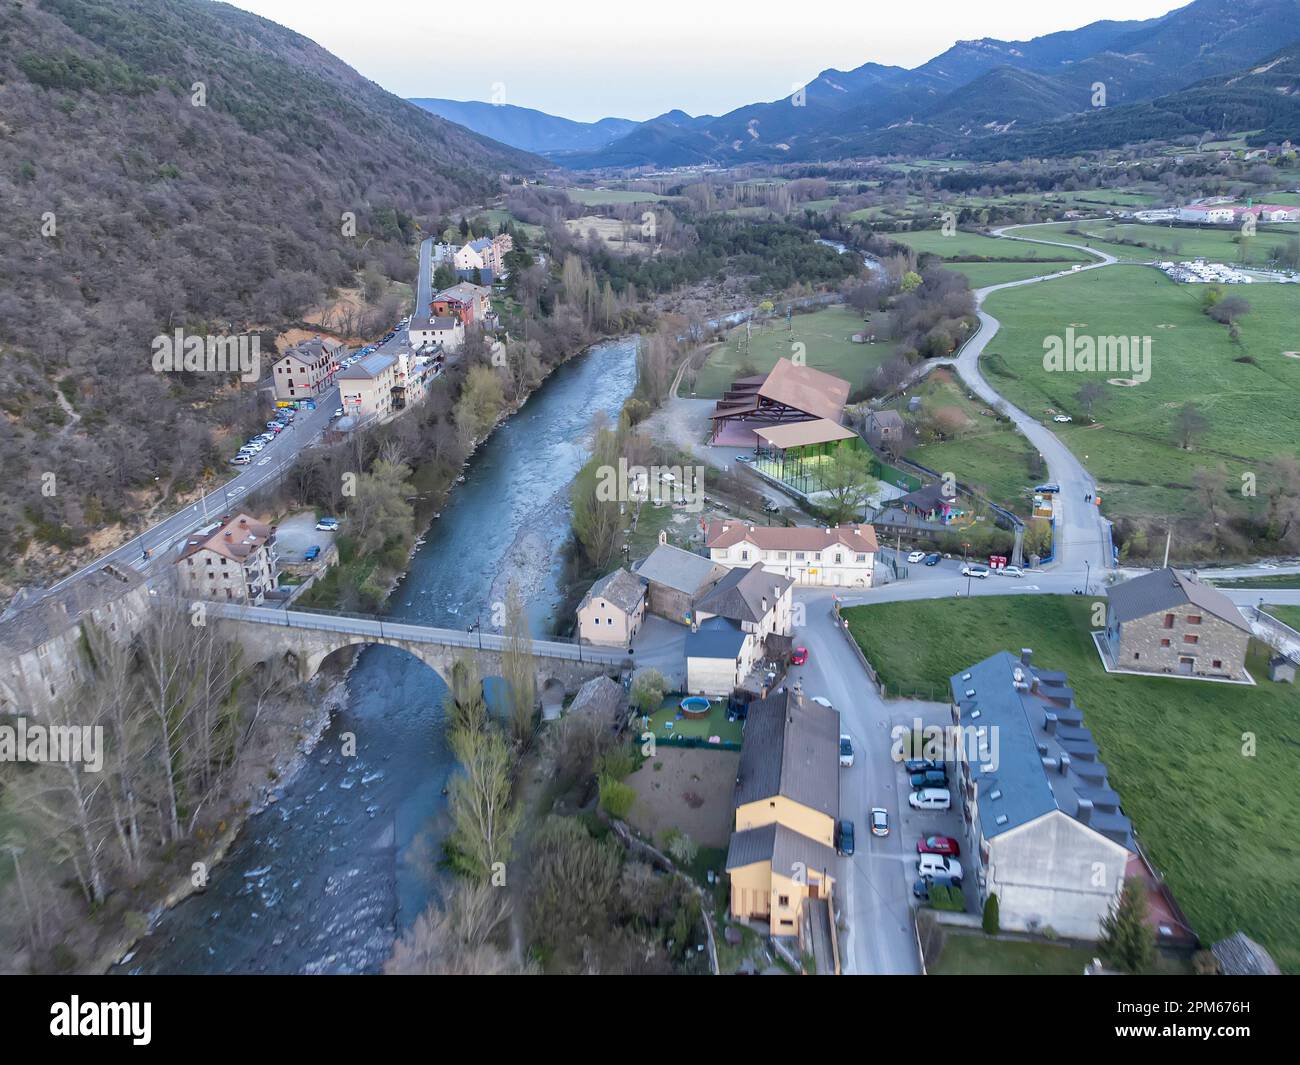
(1033, 681)
(1026, 656)
(1084, 813)
(1065, 763)
(1049, 723)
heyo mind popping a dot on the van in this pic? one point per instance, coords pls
(929, 865)
(930, 799)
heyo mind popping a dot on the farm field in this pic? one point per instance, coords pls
(826, 335)
(1191, 242)
(1061, 233)
(1173, 747)
(962, 244)
(1133, 449)
(600, 197)
(984, 453)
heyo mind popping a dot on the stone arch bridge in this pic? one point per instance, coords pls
(306, 638)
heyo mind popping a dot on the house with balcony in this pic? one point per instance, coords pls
(232, 560)
(781, 858)
(370, 387)
(307, 369)
(744, 618)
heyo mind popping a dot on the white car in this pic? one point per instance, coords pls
(1062, 418)
(930, 799)
(928, 865)
(975, 571)
(846, 751)
(1011, 571)
(821, 700)
(916, 556)
(879, 821)
(254, 446)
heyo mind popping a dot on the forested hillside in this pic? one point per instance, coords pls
(179, 164)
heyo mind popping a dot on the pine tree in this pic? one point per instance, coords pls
(1127, 942)
(991, 919)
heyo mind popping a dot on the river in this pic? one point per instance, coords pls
(322, 880)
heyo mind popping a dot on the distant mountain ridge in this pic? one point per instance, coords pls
(979, 97)
(526, 128)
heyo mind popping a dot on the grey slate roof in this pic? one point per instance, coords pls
(744, 594)
(601, 697)
(1019, 786)
(620, 587)
(35, 616)
(715, 638)
(683, 571)
(371, 366)
(791, 748)
(1168, 588)
(785, 848)
(1239, 955)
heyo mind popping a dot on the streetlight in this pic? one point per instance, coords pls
(477, 627)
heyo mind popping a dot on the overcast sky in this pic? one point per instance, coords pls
(588, 59)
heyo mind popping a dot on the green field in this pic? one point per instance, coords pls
(965, 245)
(599, 197)
(714, 724)
(1288, 615)
(1061, 233)
(1133, 449)
(1192, 242)
(984, 453)
(825, 335)
(1211, 819)
(981, 275)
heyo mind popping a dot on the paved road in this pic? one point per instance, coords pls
(274, 460)
(424, 282)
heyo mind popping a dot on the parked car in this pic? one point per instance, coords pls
(313, 553)
(846, 751)
(930, 865)
(327, 525)
(920, 765)
(916, 556)
(274, 425)
(241, 459)
(338, 412)
(1062, 418)
(931, 778)
(821, 700)
(879, 821)
(930, 799)
(799, 656)
(1011, 571)
(744, 458)
(933, 558)
(975, 571)
(254, 446)
(921, 889)
(1050, 487)
(938, 845)
(844, 838)
(275, 429)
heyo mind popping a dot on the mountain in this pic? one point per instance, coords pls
(523, 127)
(181, 164)
(981, 89)
(1263, 97)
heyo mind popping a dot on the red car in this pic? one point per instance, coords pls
(938, 845)
(799, 657)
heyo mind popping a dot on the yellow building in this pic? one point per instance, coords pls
(782, 852)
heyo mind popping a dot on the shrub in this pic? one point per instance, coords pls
(616, 798)
(991, 918)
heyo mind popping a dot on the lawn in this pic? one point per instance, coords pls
(1271, 580)
(984, 453)
(963, 245)
(599, 197)
(824, 334)
(1288, 615)
(1210, 817)
(977, 955)
(1061, 234)
(715, 724)
(1134, 449)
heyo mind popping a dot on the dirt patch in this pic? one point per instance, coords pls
(1292, 354)
(616, 234)
(691, 791)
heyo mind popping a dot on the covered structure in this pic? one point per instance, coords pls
(796, 452)
(790, 393)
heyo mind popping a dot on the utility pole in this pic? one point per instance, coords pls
(1168, 537)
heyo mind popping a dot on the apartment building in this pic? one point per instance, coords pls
(369, 387)
(232, 560)
(307, 369)
(840, 557)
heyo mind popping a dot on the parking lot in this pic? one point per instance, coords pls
(296, 535)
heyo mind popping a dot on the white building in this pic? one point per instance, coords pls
(843, 557)
(446, 330)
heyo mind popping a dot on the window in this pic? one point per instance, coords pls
(1191, 639)
(744, 555)
(839, 559)
(1169, 621)
(1164, 643)
(1218, 663)
(798, 556)
(783, 900)
(786, 923)
(1136, 656)
(1193, 619)
(861, 558)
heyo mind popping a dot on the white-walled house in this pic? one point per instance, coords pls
(842, 557)
(612, 610)
(731, 624)
(447, 330)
